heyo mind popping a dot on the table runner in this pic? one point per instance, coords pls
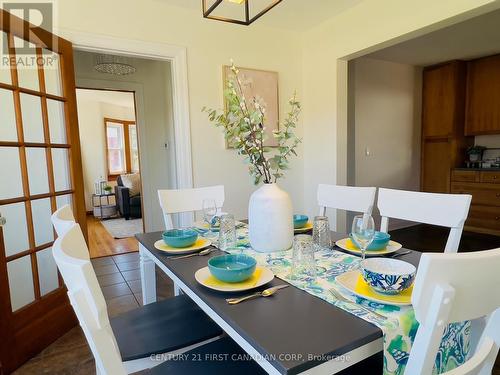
(399, 329)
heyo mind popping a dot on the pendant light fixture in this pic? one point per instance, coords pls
(245, 10)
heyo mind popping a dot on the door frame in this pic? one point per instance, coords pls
(177, 56)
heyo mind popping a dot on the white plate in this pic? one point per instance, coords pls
(305, 228)
(349, 280)
(203, 226)
(203, 273)
(391, 247)
(201, 243)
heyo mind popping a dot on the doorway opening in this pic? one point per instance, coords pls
(111, 170)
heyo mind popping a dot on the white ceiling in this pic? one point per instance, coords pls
(297, 15)
(123, 99)
(479, 36)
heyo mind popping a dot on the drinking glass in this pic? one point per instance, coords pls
(321, 232)
(209, 212)
(363, 232)
(303, 262)
(227, 232)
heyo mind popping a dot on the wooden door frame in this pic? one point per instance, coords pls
(53, 315)
(177, 56)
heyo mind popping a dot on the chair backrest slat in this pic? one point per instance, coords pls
(63, 219)
(349, 198)
(72, 258)
(447, 210)
(188, 200)
(453, 288)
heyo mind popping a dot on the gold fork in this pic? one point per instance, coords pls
(340, 297)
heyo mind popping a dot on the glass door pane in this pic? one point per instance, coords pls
(15, 231)
(37, 170)
(20, 282)
(27, 71)
(8, 131)
(47, 271)
(11, 185)
(31, 111)
(57, 125)
(42, 226)
(52, 73)
(5, 76)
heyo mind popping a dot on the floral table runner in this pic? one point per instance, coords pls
(400, 326)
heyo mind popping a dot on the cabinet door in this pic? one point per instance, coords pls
(436, 166)
(442, 95)
(483, 96)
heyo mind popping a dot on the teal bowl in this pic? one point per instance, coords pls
(299, 221)
(379, 242)
(180, 237)
(232, 268)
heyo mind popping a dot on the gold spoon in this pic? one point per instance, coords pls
(265, 293)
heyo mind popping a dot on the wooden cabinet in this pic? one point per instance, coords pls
(483, 96)
(484, 213)
(443, 139)
(436, 166)
(442, 99)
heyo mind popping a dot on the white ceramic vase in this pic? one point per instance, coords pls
(270, 219)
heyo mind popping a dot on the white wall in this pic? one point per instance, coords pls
(490, 141)
(387, 124)
(308, 62)
(364, 28)
(210, 45)
(91, 114)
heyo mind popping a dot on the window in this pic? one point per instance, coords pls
(122, 147)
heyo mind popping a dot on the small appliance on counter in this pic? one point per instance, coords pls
(483, 158)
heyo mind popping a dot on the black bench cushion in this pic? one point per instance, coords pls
(219, 357)
(161, 327)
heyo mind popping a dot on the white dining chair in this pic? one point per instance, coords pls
(453, 288)
(127, 343)
(348, 198)
(446, 210)
(63, 219)
(188, 200)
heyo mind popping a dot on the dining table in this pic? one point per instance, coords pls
(292, 332)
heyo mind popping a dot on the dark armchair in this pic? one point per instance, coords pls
(127, 206)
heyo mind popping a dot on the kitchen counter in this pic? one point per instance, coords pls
(478, 169)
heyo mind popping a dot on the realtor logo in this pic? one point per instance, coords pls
(40, 15)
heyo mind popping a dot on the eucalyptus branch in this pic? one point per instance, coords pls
(243, 121)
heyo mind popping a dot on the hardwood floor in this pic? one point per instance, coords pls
(102, 244)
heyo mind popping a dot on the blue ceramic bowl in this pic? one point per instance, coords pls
(299, 221)
(379, 242)
(232, 268)
(388, 276)
(180, 237)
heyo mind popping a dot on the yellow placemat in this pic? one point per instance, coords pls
(200, 242)
(364, 289)
(248, 283)
(352, 246)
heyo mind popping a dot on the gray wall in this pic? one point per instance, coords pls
(384, 125)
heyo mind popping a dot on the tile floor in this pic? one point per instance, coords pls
(120, 280)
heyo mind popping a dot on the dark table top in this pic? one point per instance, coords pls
(291, 322)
